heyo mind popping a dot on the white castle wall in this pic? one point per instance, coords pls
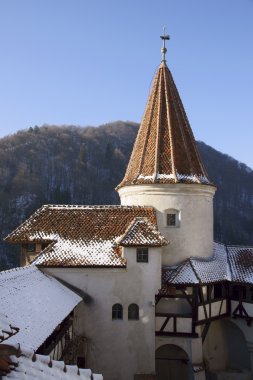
(117, 348)
(194, 202)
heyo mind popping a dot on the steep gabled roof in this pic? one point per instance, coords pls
(87, 236)
(142, 233)
(165, 150)
(35, 303)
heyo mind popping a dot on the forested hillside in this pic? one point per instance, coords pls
(75, 165)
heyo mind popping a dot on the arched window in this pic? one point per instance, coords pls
(117, 311)
(133, 311)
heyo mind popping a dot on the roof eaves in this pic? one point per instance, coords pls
(10, 238)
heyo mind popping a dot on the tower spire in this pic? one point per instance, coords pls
(164, 37)
(165, 150)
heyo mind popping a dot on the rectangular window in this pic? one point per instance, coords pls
(142, 255)
(171, 219)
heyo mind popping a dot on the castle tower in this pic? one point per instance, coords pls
(165, 171)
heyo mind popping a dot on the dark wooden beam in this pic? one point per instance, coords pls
(205, 331)
(177, 315)
(177, 334)
(204, 321)
(165, 323)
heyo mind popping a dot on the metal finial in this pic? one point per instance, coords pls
(164, 37)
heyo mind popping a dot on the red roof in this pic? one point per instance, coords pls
(88, 235)
(165, 150)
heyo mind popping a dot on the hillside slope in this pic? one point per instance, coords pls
(76, 165)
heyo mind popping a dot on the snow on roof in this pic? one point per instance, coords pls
(6, 328)
(140, 233)
(241, 263)
(86, 235)
(81, 253)
(228, 263)
(29, 366)
(35, 303)
(214, 269)
(165, 150)
(200, 270)
(197, 270)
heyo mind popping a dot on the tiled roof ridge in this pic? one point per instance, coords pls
(165, 149)
(238, 246)
(229, 265)
(195, 272)
(45, 250)
(87, 207)
(72, 207)
(128, 228)
(179, 269)
(134, 223)
(16, 270)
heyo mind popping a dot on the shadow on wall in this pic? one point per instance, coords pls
(173, 363)
(226, 353)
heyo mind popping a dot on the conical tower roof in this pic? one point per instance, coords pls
(165, 150)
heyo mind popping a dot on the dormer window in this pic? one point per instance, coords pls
(172, 218)
(142, 255)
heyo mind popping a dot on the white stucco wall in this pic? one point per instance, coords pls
(194, 236)
(118, 348)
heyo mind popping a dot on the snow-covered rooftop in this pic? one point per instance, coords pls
(88, 235)
(6, 328)
(241, 263)
(228, 263)
(142, 233)
(29, 366)
(35, 303)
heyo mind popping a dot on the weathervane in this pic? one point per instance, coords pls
(164, 37)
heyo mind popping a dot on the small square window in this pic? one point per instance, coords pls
(30, 247)
(142, 255)
(171, 219)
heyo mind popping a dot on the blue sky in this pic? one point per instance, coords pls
(90, 62)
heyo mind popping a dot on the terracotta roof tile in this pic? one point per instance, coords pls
(165, 150)
(87, 235)
(140, 233)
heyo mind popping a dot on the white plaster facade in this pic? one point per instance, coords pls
(194, 202)
(117, 348)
